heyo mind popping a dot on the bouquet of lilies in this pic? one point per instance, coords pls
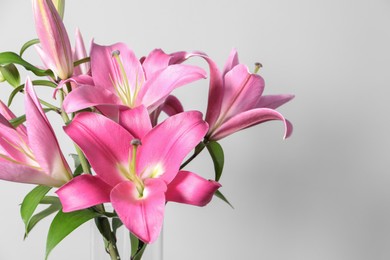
(110, 102)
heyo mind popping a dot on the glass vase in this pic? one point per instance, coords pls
(152, 252)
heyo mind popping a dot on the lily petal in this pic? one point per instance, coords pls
(273, 101)
(143, 216)
(83, 192)
(250, 118)
(12, 145)
(80, 53)
(105, 144)
(166, 145)
(172, 106)
(88, 96)
(216, 87)
(242, 91)
(161, 84)
(42, 139)
(7, 115)
(14, 172)
(106, 71)
(231, 62)
(155, 61)
(190, 188)
(136, 121)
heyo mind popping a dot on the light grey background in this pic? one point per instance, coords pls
(322, 194)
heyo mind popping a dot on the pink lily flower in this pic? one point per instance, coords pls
(235, 98)
(31, 154)
(137, 167)
(122, 81)
(54, 49)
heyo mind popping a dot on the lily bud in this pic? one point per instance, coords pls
(55, 49)
(60, 6)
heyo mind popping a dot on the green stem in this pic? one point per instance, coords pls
(198, 149)
(109, 238)
(83, 161)
(49, 105)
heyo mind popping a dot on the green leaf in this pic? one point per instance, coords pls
(116, 223)
(50, 200)
(31, 201)
(35, 83)
(217, 155)
(47, 83)
(137, 247)
(11, 74)
(222, 197)
(41, 215)
(63, 224)
(28, 45)
(11, 57)
(14, 92)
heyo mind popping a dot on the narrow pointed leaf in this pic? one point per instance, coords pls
(35, 83)
(31, 202)
(41, 215)
(11, 74)
(134, 242)
(28, 45)
(13, 94)
(53, 200)
(11, 57)
(63, 224)
(76, 160)
(222, 197)
(137, 247)
(116, 223)
(216, 153)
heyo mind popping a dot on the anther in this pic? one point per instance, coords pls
(258, 65)
(115, 53)
(135, 142)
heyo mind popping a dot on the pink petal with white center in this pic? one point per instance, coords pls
(248, 119)
(106, 70)
(143, 216)
(105, 144)
(190, 188)
(83, 192)
(162, 83)
(88, 96)
(165, 146)
(273, 101)
(136, 121)
(42, 139)
(155, 61)
(242, 92)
